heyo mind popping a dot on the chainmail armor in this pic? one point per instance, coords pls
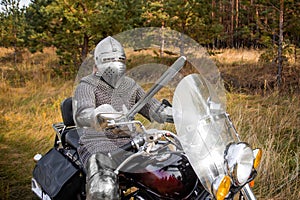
(92, 92)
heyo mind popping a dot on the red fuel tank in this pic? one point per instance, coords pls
(169, 175)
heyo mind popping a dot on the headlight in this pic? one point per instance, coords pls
(239, 162)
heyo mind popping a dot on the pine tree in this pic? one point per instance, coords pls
(13, 26)
(37, 22)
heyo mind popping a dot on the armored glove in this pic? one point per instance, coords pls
(166, 114)
(163, 113)
(102, 113)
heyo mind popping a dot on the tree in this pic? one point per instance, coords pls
(37, 31)
(71, 28)
(13, 26)
(187, 17)
(75, 27)
(280, 41)
(292, 24)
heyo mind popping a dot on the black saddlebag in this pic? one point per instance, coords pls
(58, 176)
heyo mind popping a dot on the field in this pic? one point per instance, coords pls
(31, 90)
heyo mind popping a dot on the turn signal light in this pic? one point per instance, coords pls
(223, 188)
(251, 184)
(257, 157)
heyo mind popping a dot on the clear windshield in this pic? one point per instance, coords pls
(201, 125)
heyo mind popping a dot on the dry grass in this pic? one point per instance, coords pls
(272, 123)
(242, 72)
(237, 56)
(266, 118)
(30, 106)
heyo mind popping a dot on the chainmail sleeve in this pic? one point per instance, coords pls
(84, 105)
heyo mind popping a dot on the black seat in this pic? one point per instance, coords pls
(70, 135)
(67, 112)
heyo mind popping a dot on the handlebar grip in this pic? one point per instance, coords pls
(126, 147)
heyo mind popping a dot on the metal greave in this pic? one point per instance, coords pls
(102, 182)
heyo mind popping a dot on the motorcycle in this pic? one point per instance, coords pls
(201, 158)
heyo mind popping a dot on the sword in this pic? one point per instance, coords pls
(162, 81)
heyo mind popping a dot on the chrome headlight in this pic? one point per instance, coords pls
(239, 162)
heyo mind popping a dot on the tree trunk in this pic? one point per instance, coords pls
(237, 42)
(213, 6)
(280, 59)
(232, 23)
(221, 10)
(257, 20)
(85, 47)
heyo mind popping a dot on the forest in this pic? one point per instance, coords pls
(254, 43)
(74, 27)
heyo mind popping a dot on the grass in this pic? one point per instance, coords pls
(31, 92)
(28, 108)
(234, 56)
(25, 130)
(273, 124)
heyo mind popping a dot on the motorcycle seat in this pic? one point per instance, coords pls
(70, 136)
(67, 112)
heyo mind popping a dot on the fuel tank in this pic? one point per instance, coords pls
(167, 175)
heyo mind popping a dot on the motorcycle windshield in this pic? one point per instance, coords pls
(202, 127)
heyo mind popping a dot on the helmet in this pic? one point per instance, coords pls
(110, 59)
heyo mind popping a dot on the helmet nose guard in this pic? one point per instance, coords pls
(110, 59)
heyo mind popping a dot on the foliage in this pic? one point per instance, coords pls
(13, 25)
(75, 27)
(37, 20)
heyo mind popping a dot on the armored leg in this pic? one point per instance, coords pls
(102, 182)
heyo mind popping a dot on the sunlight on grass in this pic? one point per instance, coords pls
(237, 56)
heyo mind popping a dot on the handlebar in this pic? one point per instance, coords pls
(132, 145)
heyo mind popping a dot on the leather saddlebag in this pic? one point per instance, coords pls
(57, 176)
